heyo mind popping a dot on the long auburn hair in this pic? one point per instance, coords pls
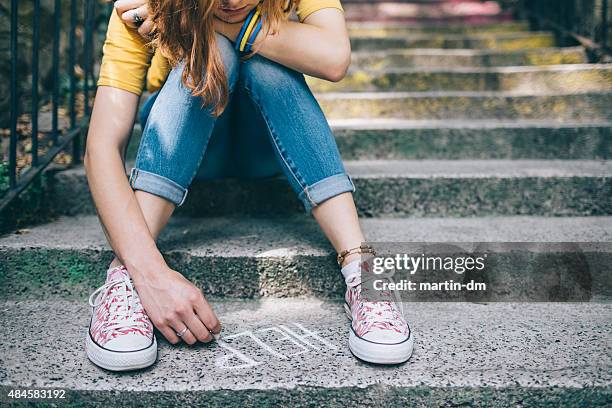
(184, 31)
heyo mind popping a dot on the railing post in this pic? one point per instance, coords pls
(86, 55)
(604, 24)
(76, 142)
(56, 48)
(35, 49)
(14, 105)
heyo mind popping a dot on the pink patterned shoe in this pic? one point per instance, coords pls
(379, 332)
(120, 336)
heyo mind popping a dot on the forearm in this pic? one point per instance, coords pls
(318, 47)
(308, 49)
(119, 212)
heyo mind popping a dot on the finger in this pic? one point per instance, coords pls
(135, 17)
(146, 28)
(207, 316)
(187, 337)
(169, 334)
(197, 328)
(124, 5)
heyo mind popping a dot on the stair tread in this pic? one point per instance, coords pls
(462, 168)
(501, 70)
(455, 37)
(517, 24)
(457, 345)
(438, 94)
(478, 168)
(293, 235)
(458, 51)
(389, 123)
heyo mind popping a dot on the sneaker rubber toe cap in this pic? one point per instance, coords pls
(128, 342)
(385, 337)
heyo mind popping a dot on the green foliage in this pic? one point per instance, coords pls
(4, 178)
(28, 208)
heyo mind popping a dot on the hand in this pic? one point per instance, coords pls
(135, 14)
(173, 304)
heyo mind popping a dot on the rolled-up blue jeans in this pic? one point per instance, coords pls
(272, 125)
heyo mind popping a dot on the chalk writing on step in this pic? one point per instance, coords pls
(295, 336)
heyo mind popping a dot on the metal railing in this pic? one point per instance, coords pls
(585, 22)
(81, 39)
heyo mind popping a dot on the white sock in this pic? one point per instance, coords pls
(351, 269)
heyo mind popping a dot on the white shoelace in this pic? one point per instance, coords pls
(121, 313)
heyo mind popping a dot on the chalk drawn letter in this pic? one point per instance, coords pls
(285, 336)
(222, 362)
(308, 334)
(258, 341)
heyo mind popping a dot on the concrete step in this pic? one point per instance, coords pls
(378, 29)
(400, 187)
(575, 107)
(441, 58)
(470, 139)
(439, 13)
(555, 78)
(461, 139)
(286, 257)
(294, 353)
(496, 41)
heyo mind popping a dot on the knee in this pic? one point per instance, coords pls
(229, 57)
(230, 60)
(260, 72)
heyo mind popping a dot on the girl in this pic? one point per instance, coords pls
(229, 100)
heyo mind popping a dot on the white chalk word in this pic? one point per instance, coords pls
(296, 337)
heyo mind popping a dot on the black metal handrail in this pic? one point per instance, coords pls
(85, 11)
(590, 29)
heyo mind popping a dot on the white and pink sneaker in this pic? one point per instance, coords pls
(379, 331)
(120, 335)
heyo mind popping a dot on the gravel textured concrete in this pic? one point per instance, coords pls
(375, 29)
(441, 58)
(243, 257)
(465, 354)
(453, 140)
(534, 79)
(395, 187)
(581, 107)
(497, 41)
(421, 12)
(462, 139)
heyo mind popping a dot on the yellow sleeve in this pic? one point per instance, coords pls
(158, 72)
(307, 7)
(126, 57)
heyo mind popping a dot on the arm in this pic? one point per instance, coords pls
(318, 47)
(116, 204)
(171, 301)
(124, 65)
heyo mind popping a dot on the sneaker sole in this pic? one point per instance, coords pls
(120, 360)
(376, 352)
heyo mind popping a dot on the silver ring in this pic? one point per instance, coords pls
(182, 332)
(137, 19)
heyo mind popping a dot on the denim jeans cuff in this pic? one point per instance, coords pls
(324, 189)
(158, 185)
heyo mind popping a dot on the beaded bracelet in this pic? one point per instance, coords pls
(363, 248)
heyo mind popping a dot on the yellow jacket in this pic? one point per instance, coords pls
(128, 61)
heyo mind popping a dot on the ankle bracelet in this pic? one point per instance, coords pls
(363, 248)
